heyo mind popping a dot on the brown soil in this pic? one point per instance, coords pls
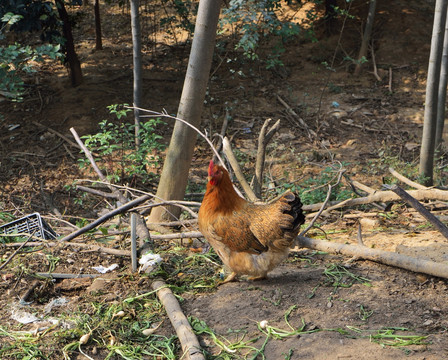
(371, 128)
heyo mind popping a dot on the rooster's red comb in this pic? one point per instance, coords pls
(210, 168)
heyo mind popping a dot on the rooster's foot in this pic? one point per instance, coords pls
(230, 278)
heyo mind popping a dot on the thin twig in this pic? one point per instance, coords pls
(311, 224)
(17, 251)
(166, 115)
(324, 204)
(375, 69)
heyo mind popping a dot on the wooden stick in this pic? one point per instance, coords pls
(67, 276)
(421, 209)
(406, 180)
(390, 78)
(188, 340)
(380, 256)
(236, 168)
(89, 247)
(27, 293)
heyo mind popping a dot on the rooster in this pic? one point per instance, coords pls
(250, 239)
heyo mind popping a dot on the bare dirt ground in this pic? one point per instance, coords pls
(371, 129)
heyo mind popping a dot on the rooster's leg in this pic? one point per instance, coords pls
(257, 278)
(231, 277)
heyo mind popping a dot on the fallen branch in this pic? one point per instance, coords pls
(236, 168)
(356, 184)
(383, 196)
(362, 187)
(63, 137)
(421, 209)
(263, 140)
(188, 340)
(103, 218)
(406, 180)
(380, 256)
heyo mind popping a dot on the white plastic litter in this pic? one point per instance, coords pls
(60, 301)
(102, 270)
(149, 260)
(23, 317)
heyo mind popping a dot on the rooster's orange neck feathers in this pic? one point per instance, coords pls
(220, 195)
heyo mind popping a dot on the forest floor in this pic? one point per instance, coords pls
(327, 306)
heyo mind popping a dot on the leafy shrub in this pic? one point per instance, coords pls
(115, 151)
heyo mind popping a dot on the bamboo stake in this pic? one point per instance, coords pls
(188, 340)
(421, 209)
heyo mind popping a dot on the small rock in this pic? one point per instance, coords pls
(428, 322)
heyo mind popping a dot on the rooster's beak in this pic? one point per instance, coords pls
(209, 178)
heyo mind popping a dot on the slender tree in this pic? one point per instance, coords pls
(432, 87)
(173, 181)
(366, 36)
(137, 60)
(99, 40)
(441, 100)
(71, 56)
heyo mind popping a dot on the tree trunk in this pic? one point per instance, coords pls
(137, 59)
(432, 88)
(441, 100)
(72, 58)
(173, 181)
(99, 41)
(366, 36)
